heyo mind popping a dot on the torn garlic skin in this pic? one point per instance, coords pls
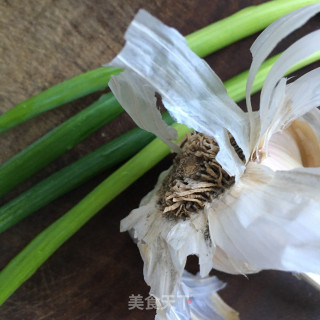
(243, 192)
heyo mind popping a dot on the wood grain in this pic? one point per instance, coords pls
(91, 276)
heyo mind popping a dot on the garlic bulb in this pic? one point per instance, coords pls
(243, 194)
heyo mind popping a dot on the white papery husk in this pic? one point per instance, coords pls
(197, 299)
(270, 218)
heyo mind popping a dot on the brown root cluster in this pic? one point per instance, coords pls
(195, 178)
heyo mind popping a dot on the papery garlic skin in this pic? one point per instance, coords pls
(270, 217)
(156, 56)
(165, 244)
(268, 220)
(197, 299)
(313, 279)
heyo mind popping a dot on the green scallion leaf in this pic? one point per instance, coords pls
(57, 95)
(58, 141)
(70, 177)
(240, 25)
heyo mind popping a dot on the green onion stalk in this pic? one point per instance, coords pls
(203, 42)
(57, 142)
(75, 174)
(25, 264)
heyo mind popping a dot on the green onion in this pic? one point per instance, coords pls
(74, 175)
(202, 42)
(240, 25)
(57, 142)
(25, 264)
(57, 95)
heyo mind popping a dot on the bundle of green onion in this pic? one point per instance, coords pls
(61, 139)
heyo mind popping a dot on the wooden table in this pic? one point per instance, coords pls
(92, 275)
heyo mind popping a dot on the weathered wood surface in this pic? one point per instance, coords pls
(93, 274)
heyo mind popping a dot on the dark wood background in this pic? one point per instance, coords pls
(91, 276)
